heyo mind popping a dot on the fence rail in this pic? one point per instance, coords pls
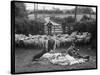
(56, 29)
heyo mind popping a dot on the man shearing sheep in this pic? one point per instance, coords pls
(73, 51)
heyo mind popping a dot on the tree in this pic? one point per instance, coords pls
(87, 10)
(69, 19)
(20, 10)
(20, 17)
(84, 18)
(80, 10)
(22, 24)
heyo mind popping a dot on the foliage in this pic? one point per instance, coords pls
(69, 19)
(23, 25)
(87, 26)
(20, 10)
(26, 27)
(84, 18)
(80, 10)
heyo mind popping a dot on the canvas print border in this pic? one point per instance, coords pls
(13, 36)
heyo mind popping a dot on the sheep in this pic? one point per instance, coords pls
(42, 40)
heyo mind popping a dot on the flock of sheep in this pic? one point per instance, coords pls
(42, 40)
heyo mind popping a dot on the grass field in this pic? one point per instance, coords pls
(24, 56)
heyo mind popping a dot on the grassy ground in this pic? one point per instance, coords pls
(23, 61)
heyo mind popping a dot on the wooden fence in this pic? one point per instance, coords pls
(56, 29)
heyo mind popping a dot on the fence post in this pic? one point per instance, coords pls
(76, 13)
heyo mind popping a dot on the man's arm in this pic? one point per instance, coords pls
(47, 24)
(51, 24)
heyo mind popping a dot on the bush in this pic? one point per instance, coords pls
(87, 26)
(25, 26)
(57, 19)
(84, 18)
(69, 19)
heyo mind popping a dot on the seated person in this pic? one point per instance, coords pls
(73, 51)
